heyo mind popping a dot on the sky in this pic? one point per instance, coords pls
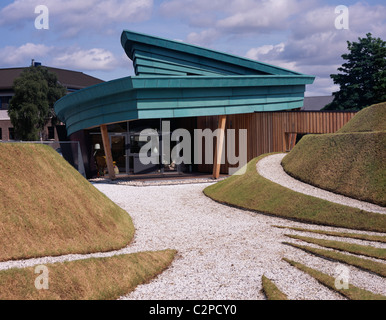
(301, 35)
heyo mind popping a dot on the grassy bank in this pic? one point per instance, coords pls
(253, 192)
(90, 279)
(350, 162)
(48, 208)
(370, 119)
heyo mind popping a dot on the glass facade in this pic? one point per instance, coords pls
(126, 146)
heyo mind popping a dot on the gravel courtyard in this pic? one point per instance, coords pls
(222, 251)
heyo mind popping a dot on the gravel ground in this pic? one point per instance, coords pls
(222, 251)
(271, 169)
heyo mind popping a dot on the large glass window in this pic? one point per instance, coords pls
(126, 145)
(11, 132)
(4, 102)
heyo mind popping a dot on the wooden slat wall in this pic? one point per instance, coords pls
(270, 131)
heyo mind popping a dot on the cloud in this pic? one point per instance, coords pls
(72, 16)
(235, 16)
(91, 60)
(314, 46)
(205, 37)
(95, 59)
(198, 13)
(22, 55)
(262, 16)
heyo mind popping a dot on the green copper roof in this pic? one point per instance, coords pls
(174, 79)
(156, 56)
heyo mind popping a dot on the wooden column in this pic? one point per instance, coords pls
(107, 148)
(219, 146)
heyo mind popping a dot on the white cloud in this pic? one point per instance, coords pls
(235, 16)
(21, 56)
(315, 46)
(205, 37)
(198, 13)
(72, 16)
(95, 59)
(92, 59)
(260, 52)
(267, 15)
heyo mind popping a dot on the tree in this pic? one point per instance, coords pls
(363, 78)
(30, 109)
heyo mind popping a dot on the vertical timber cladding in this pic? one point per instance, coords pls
(270, 131)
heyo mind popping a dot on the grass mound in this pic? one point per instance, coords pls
(253, 192)
(351, 162)
(369, 119)
(48, 208)
(89, 279)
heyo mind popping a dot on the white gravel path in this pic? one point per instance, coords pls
(222, 251)
(270, 168)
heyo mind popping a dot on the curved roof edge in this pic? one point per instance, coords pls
(175, 79)
(131, 39)
(134, 98)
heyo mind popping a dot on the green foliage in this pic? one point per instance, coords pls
(362, 79)
(36, 91)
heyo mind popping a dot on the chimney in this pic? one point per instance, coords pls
(35, 63)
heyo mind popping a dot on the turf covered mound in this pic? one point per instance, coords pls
(253, 192)
(367, 120)
(48, 208)
(350, 162)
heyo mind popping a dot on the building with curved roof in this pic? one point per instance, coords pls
(180, 83)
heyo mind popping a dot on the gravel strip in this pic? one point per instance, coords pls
(156, 182)
(271, 169)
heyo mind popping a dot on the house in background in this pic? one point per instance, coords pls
(71, 80)
(316, 103)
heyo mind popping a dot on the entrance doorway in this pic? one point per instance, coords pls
(118, 144)
(125, 148)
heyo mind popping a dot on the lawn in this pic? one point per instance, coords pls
(253, 192)
(350, 162)
(89, 279)
(48, 208)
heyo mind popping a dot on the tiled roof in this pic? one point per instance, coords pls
(68, 78)
(316, 103)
